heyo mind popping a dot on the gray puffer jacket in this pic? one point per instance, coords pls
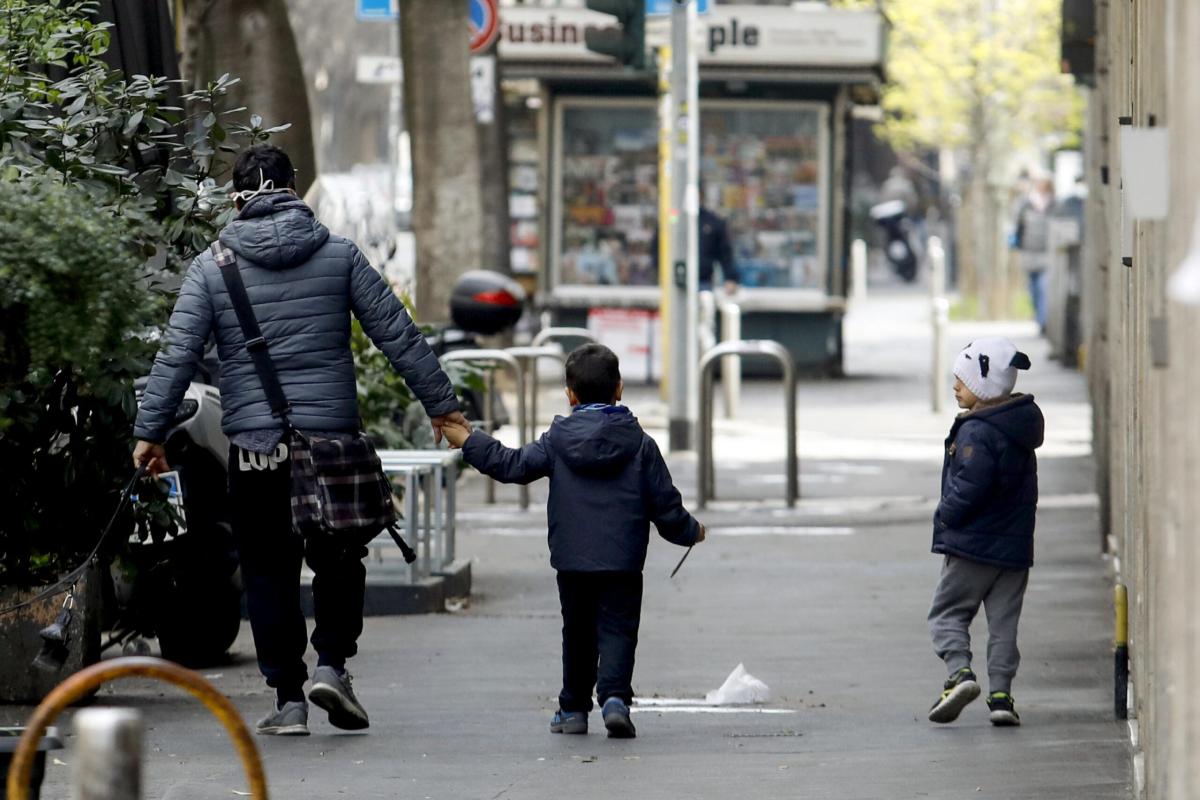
(303, 283)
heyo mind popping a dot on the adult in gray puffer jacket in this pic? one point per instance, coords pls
(303, 283)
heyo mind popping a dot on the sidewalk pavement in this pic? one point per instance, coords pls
(826, 603)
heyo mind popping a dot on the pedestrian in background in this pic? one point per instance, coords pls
(715, 248)
(304, 283)
(1031, 239)
(608, 482)
(984, 526)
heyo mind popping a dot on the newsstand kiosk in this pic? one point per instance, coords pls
(777, 85)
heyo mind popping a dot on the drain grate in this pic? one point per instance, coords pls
(771, 735)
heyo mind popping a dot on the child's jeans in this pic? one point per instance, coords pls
(963, 587)
(601, 612)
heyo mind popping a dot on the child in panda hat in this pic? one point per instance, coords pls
(984, 525)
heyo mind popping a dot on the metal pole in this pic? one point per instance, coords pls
(411, 488)
(107, 756)
(731, 366)
(451, 509)
(858, 270)
(939, 319)
(489, 491)
(685, 209)
(793, 457)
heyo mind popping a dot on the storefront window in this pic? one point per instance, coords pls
(609, 187)
(762, 171)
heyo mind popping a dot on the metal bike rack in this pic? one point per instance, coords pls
(495, 358)
(551, 334)
(731, 366)
(443, 466)
(706, 483)
(529, 356)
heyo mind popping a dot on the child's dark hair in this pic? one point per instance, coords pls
(274, 164)
(593, 373)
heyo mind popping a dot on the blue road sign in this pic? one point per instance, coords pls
(664, 6)
(377, 10)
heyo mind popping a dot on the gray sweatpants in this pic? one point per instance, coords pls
(965, 585)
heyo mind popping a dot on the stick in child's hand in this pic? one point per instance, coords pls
(680, 564)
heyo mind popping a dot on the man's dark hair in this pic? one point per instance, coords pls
(593, 373)
(274, 164)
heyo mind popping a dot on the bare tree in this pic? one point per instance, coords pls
(253, 40)
(447, 214)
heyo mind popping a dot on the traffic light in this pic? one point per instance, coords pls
(626, 43)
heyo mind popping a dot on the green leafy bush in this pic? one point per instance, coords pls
(71, 291)
(109, 185)
(66, 114)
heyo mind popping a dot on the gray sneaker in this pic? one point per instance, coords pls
(290, 719)
(331, 692)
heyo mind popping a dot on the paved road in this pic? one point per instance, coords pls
(825, 603)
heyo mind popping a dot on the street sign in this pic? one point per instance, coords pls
(378, 10)
(484, 21)
(377, 69)
(658, 7)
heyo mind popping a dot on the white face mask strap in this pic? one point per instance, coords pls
(264, 187)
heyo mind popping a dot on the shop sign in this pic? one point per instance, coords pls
(746, 35)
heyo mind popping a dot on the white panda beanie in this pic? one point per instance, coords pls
(989, 367)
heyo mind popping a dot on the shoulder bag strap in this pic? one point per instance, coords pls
(256, 345)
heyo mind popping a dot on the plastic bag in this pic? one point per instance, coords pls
(740, 688)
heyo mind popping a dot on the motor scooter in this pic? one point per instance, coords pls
(900, 247)
(184, 588)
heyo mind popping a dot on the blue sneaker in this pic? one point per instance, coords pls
(568, 722)
(616, 719)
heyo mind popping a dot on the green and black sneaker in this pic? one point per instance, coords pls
(1003, 713)
(960, 689)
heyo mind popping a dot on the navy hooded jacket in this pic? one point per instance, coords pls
(608, 482)
(989, 485)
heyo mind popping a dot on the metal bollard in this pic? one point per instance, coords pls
(107, 757)
(939, 318)
(495, 358)
(1121, 651)
(86, 681)
(858, 271)
(706, 478)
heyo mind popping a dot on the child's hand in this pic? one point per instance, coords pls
(702, 535)
(456, 433)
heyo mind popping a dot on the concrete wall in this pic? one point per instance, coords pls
(1144, 385)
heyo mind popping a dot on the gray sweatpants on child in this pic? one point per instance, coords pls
(963, 587)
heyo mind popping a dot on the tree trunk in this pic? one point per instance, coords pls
(253, 40)
(493, 167)
(447, 213)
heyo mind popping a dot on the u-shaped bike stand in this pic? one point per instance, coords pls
(86, 681)
(705, 478)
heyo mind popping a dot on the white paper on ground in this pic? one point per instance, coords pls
(1184, 286)
(739, 688)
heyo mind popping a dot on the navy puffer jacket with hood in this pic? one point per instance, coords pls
(989, 485)
(608, 482)
(304, 284)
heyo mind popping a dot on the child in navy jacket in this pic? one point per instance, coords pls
(608, 482)
(984, 525)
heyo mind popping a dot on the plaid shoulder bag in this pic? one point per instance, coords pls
(338, 487)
